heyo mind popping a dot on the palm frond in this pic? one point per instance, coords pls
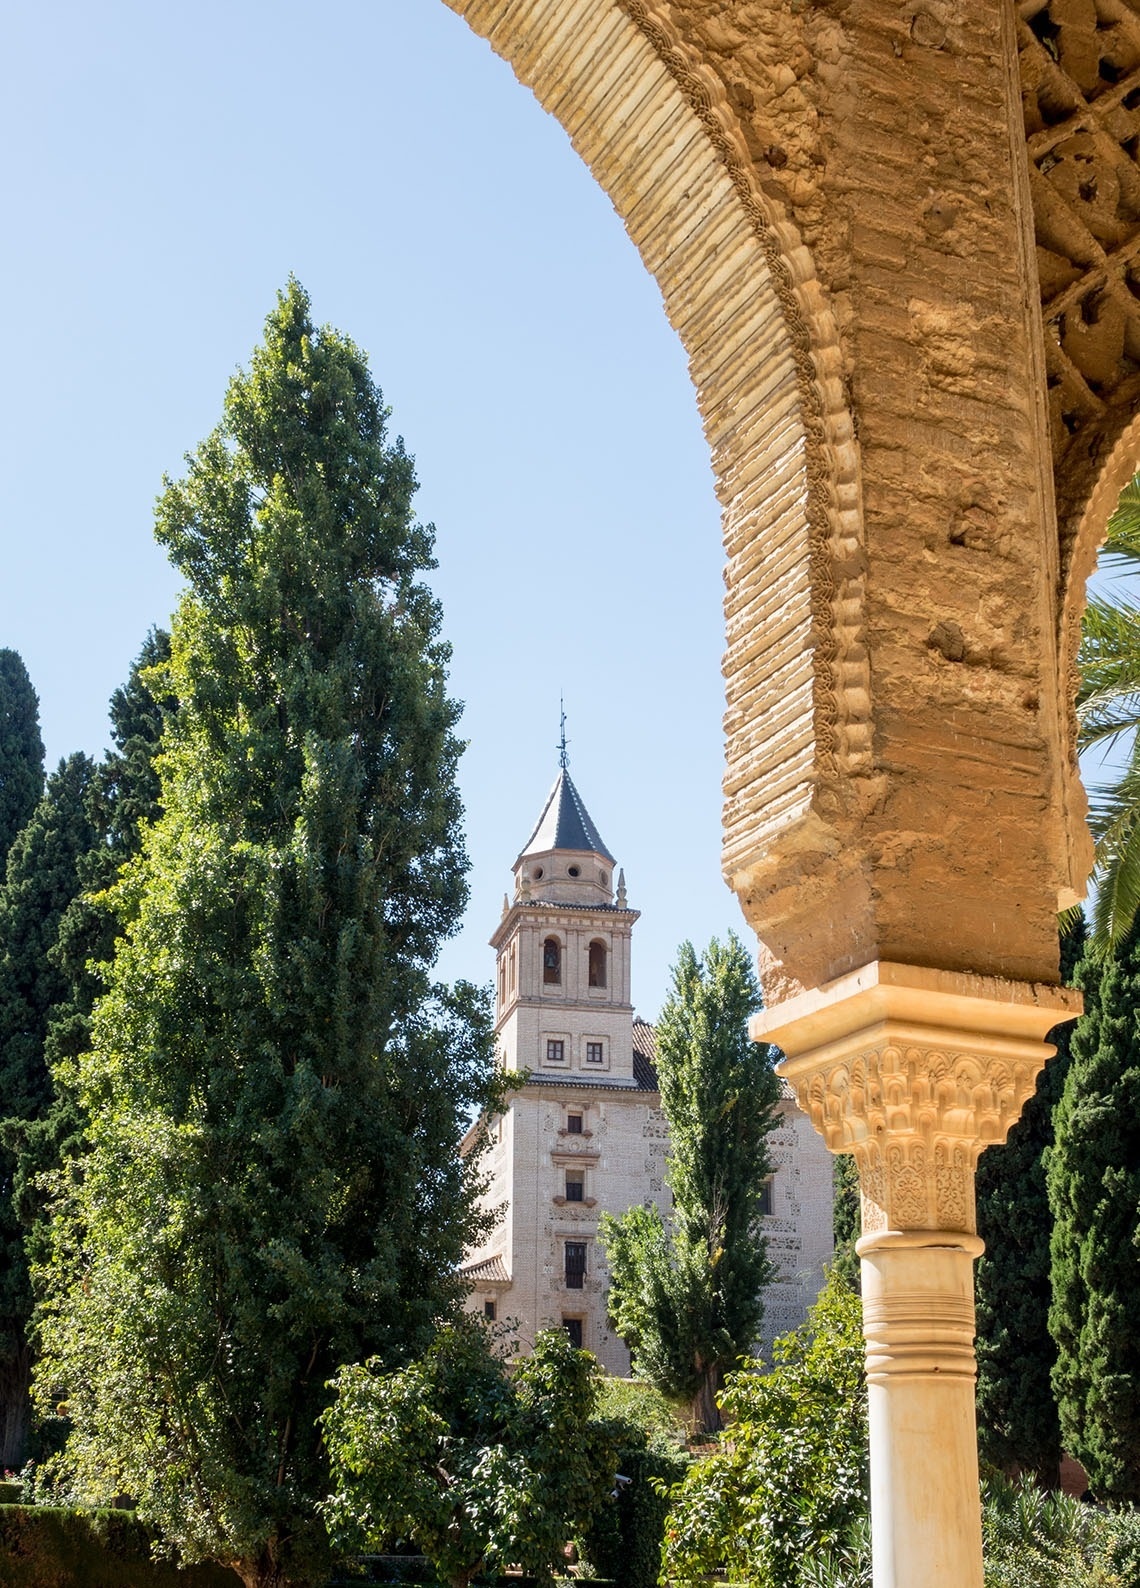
(1123, 538)
(1114, 816)
(1108, 709)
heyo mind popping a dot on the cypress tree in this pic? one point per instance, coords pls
(687, 1298)
(42, 879)
(847, 1219)
(121, 798)
(21, 751)
(275, 1092)
(1093, 1175)
(1018, 1426)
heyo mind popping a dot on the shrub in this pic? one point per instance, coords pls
(45, 1547)
(625, 1537)
(645, 1409)
(1037, 1540)
(788, 1480)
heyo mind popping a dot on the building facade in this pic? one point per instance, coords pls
(585, 1134)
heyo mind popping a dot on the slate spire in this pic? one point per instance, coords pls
(565, 823)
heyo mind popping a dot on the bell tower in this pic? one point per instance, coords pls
(563, 1003)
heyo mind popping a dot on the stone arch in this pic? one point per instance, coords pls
(656, 130)
(1090, 524)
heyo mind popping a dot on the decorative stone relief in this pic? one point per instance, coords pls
(916, 1119)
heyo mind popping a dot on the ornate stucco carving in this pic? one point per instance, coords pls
(915, 1072)
(841, 680)
(916, 1119)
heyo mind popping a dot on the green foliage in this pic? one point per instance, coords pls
(624, 1540)
(847, 1219)
(21, 751)
(274, 1091)
(687, 1298)
(1033, 1539)
(52, 933)
(42, 1547)
(643, 1408)
(1108, 710)
(479, 1465)
(1093, 1174)
(122, 798)
(788, 1480)
(1018, 1426)
(42, 879)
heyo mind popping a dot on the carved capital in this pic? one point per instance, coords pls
(915, 1072)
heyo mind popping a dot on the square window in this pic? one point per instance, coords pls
(555, 1051)
(575, 1185)
(575, 1265)
(594, 1053)
(573, 1124)
(489, 1311)
(573, 1327)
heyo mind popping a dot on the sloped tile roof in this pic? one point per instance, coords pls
(644, 1055)
(489, 1270)
(645, 1052)
(565, 823)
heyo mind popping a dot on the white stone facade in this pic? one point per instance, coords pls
(585, 1134)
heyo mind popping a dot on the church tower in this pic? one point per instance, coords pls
(563, 950)
(585, 1134)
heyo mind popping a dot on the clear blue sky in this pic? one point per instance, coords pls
(165, 169)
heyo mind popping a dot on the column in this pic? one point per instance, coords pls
(915, 1072)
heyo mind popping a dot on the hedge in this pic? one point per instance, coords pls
(43, 1547)
(624, 1541)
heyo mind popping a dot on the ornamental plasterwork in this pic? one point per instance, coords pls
(916, 1119)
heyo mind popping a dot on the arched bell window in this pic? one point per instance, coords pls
(597, 964)
(552, 962)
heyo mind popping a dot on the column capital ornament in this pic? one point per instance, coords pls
(914, 1072)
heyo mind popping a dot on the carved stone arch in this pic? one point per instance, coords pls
(1090, 521)
(655, 128)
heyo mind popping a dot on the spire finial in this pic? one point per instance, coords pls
(563, 753)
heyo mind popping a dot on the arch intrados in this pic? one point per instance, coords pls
(1092, 527)
(739, 288)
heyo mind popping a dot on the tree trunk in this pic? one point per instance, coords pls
(264, 1572)
(705, 1412)
(15, 1410)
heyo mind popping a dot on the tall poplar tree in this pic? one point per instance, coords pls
(21, 750)
(687, 1296)
(1018, 1426)
(1093, 1173)
(275, 1091)
(42, 880)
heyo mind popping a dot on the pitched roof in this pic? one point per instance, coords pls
(565, 824)
(645, 1060)
(644, 1054)
(490, 1270)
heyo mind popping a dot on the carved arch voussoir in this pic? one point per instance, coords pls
(1084, 539)
(655, 127)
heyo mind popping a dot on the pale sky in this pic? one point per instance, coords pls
(164, 171)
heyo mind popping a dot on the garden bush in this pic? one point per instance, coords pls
(625, 1537)
(1033, 1539)
(787, 1481)
(45, 1547)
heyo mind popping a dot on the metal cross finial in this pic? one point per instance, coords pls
(563, 754)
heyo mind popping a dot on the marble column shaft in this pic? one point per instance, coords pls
(915, 1072)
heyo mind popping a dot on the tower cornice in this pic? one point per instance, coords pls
(551, 911)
